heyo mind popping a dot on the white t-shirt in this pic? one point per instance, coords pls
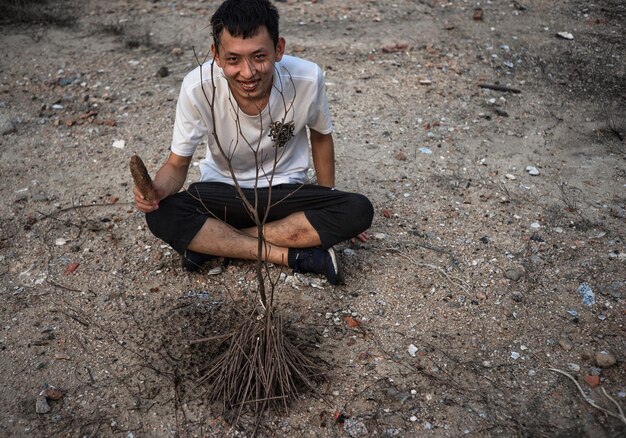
(298, 97)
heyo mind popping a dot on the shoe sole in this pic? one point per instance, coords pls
(338, 273)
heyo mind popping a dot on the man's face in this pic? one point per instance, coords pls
(248, 65)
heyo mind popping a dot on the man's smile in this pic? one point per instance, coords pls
(249, 86)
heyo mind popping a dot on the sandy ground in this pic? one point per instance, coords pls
(496, 211)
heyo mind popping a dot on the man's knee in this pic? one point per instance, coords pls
(361, 212)
(156, 224)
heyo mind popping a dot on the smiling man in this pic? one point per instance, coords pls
(253, 105)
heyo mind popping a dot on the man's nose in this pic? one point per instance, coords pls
(248, 70)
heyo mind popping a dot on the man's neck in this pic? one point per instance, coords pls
(252, 107)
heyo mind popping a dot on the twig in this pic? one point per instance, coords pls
(619, 414)
(496, 87)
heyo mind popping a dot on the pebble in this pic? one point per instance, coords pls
(400, 156)
(584, 290)
(412, 350)
(532, 170)
(42, 406)
(510, 176)
(574, 367)
(535, 225)
(163, 72)
(7, 126)
(515, 355)
(604, 359)
(565, 35)
(348, 252)
(379, 236)
(355, 428)
(119, 144)
(592, 381)
(513, 274)
(566, 344)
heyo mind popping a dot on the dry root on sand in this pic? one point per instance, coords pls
(142, 178)
(261, 367)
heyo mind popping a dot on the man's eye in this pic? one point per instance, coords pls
(260, 57)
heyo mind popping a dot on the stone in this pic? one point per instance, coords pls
(532, 170)
(355, 428)
(7, 126)
(42, 406)
(592, 381)
(566, 344)
(513, 274)
(604, 359)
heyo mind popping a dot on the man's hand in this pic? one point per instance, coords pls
(361, 237)
(167, 181)
(147, 206)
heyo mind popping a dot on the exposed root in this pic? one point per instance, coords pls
(261, 367)
(619, 414)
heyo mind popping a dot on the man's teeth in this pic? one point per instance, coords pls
(249, 85)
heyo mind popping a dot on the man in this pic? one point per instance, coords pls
(253, 104)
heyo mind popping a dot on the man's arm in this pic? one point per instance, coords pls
(167, 181)
(323, 151)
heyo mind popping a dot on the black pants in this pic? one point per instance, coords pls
(335, 215)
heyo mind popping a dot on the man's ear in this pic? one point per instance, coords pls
(216, 55)
(280, 48)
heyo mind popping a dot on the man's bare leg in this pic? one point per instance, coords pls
(220, 239)
(293, 231)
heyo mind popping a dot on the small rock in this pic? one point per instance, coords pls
(510, 176)
(535, 225)
(584, 290)
(517, 297)
(592, 381)
(604, 359)
(566, 344)
(573, 367)
(513, 274)
(532, 170)
(400, 156)
(177, 51)
(379, 236)
(51, 392)
(355, 428)
(119, 144)
(515, 355)
(425, 150)
(42, 406)
(7, 126)
(565, 35)
(349, 252)
(536, 260)
(412, 350)
(163, 72)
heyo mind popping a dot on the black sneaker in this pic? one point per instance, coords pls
(318, 261)
(193, 261)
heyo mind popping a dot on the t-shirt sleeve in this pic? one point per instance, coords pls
(318, 117)
(189, 126)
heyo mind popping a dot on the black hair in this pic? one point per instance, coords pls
(244, 18)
